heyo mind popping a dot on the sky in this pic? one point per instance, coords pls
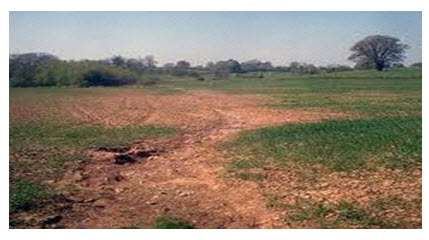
(319, 38)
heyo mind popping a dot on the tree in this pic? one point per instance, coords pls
(169, 67)
(256, 65)
(182, 64)
(135, 65)
(221, 69)
(209, 66)
(378, 52)
(118, 61)
(309, 69)
(295, 67)
(336, 68)
(149, 62)
(234, 66)
(22, 67)
(181, 68)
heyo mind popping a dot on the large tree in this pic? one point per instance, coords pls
(378, 52)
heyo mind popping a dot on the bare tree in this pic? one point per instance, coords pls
(378, 52)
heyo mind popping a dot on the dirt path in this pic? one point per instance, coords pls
(186, 180)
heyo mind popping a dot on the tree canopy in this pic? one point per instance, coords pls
(378, 52)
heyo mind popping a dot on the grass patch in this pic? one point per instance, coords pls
(289, 84)
(343, 214)
(365, 104)
(25, 195)
(28, 134)
(312, 213)
(340, 145)
(351, 213)
(172, 223)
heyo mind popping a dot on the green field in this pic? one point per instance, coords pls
(386, 124)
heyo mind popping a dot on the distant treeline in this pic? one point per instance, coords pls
(42, 69)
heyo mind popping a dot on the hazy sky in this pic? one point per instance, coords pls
(280, 37)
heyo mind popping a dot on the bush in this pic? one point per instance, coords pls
(104, 77)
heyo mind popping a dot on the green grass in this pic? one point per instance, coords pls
(280, 83)
(370, 93)
(338, 144)
(172, 223)
(27, 134)
(25, 195)
(343, 214)
(312, 213)
(363, 104)
(350, 213)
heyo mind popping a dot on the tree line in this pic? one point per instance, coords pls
(43, 69)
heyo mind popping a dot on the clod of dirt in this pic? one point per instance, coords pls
(134, 156)
(146, 153)
(122, 159)
(51, 220)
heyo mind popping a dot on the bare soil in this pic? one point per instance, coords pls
(185, 178)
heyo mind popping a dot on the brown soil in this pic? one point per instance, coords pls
(186, 179)
(184, 176)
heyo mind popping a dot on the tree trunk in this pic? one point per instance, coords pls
(379, 66)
